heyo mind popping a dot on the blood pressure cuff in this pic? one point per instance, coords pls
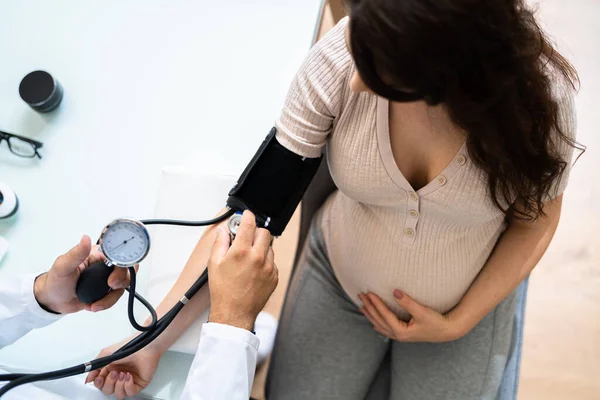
(273, 184)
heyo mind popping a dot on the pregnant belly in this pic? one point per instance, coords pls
(367, 257)
(432, 286)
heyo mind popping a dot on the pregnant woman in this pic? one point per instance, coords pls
(450, 131)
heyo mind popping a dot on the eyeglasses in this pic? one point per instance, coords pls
(21, 146)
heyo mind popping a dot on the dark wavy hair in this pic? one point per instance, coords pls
(494, 69)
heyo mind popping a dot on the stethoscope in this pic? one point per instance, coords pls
(125, 243)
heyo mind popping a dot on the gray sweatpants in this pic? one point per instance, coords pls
(326, 349)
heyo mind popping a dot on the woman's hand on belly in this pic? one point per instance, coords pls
(425, 324)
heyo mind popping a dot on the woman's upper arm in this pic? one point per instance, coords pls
(315, 96)
(552, 211)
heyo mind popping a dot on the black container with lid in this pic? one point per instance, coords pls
(41, 91)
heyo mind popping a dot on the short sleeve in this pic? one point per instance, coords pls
(567, 120)
(315, 96)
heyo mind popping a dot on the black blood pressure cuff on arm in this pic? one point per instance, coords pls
(273, 184)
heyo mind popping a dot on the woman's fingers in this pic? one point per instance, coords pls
(392, 322)
(367, 314)
(91, 376)
(101, 378)
(120, 386)
(382, 332)
(415, 309)
(130, 386)
(110, 382)
(368, 305)
(376, 326)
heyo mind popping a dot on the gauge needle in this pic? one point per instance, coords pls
(122, 244)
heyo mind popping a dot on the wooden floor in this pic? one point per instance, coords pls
(561, 358)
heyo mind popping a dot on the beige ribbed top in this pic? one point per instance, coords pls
(380, 233)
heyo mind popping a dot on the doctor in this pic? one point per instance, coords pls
(242, 278)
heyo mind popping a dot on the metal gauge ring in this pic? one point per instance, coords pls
(233, 225)
(125, 242)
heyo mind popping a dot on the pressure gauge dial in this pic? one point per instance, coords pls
(125, 242)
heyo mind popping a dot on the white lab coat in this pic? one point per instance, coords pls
(223, 367)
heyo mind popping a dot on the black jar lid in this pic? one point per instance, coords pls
(41, 91)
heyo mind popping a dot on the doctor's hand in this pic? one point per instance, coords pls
(242, 277)
(425, 324)
(55, 289)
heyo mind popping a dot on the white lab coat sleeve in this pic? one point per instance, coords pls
(224, 364)
(19, 310)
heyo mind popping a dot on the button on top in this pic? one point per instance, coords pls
(409, 232)
(413, 196)
(461, 160)
(413, 213)
(441, 180)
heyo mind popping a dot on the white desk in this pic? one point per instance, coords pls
(147, 84)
